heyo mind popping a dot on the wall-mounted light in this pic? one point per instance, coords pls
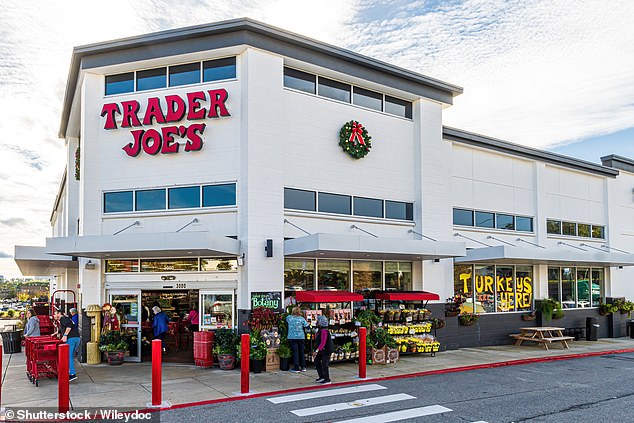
(241, 260)
(269, 248)
(90, 265)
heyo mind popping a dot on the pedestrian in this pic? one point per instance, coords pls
(325, 347)
(70, 336)
(74, 316)
(194, 319)
(32, 327)
(160, 325)
(296, 338)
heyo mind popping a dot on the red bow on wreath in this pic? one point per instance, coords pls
(357, 133)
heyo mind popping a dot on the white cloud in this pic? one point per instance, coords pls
(537, 72)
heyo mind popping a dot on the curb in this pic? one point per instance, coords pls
(408, 375)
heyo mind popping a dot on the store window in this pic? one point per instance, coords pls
(370, 207)
(568, 292)
(523, 288)
(169, 265)
(151, 199)
(553, 227)
(217, 311)
(334, 89)
(569, 228)
(484, 219)
(490, 288)
(367, 276)
(398, 107)
(579, 287)
(583, 230)
(299, 80)
(333, 275)
(505, 221)
(505, 289)
(299, 199)
(299, 275)
(183, 198)
(151, 79)
(399, 210)
(219, 69)
(366, 98)
(598, 232)
(524, 224)
(334, 203)
(121, 83)
(463, 282)
(398, 276)
(219, 195)
(184, 74)
(219, 265)
(116, 202)
(119, 266)
(463, 217)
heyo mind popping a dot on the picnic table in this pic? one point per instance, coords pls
(543, 335)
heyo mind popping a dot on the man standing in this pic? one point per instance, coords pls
(70, 335)
(74, 316)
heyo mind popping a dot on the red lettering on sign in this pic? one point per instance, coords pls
(109, 110)
(217, 99)
(169, 145)
(153, 112)
(195, 110)
(175, 108)
(130, 109)
(194, 133)
(151, 141)
(133, 149)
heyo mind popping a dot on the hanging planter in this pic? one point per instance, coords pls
(468, 319)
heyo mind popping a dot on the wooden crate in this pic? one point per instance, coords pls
(272, 360)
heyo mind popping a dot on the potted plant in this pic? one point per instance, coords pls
(226, 341)
(624, 306)
(258, 353)
(547, 307)
(452, 305)
(114, 347)
(437, 323)
(285, 353)
(468, 319)
(607, 309)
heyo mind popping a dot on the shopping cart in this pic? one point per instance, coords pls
(41, 357)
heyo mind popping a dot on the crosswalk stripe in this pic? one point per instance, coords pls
(327, 393)
(400, 415)
(350, 405)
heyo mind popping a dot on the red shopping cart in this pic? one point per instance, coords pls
(41, 357)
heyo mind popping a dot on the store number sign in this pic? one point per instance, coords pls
(168, 111)
(272, 300)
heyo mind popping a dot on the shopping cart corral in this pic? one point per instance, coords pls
(41, 357)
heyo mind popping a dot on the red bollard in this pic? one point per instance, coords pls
(245, 345)
(63, 397)
(157, 377)
(362, 346)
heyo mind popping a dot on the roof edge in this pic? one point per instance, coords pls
(233, 25)
(618, 162)
(459, 135)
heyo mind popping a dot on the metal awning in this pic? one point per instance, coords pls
(505, 254)
(34, 261)
(365, 247)
(146, 245)
(327, 296)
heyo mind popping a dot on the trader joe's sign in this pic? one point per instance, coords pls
(272, 300)
(197, 105)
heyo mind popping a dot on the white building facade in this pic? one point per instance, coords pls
(207, 160)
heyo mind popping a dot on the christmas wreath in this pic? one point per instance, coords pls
(354, 139)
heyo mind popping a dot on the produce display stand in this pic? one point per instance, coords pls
(411, 327)
(341, 320)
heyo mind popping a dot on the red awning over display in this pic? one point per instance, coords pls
(326, 296)
(408, 296)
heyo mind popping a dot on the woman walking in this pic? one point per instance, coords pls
(296, 324)
(325, 347)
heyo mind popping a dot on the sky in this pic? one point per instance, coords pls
(550, 74)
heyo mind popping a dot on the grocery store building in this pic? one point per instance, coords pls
(235, 163)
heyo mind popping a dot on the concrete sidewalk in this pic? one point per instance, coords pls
(128, 386)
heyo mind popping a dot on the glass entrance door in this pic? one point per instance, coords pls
(217, 310)
(128, 312)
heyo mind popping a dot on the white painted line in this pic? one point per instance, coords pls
(328, 393)
(480, 421)
(351, 405)
(400, 415)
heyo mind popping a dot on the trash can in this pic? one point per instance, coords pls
(592, 328)
(630, 328)
(12, 341)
